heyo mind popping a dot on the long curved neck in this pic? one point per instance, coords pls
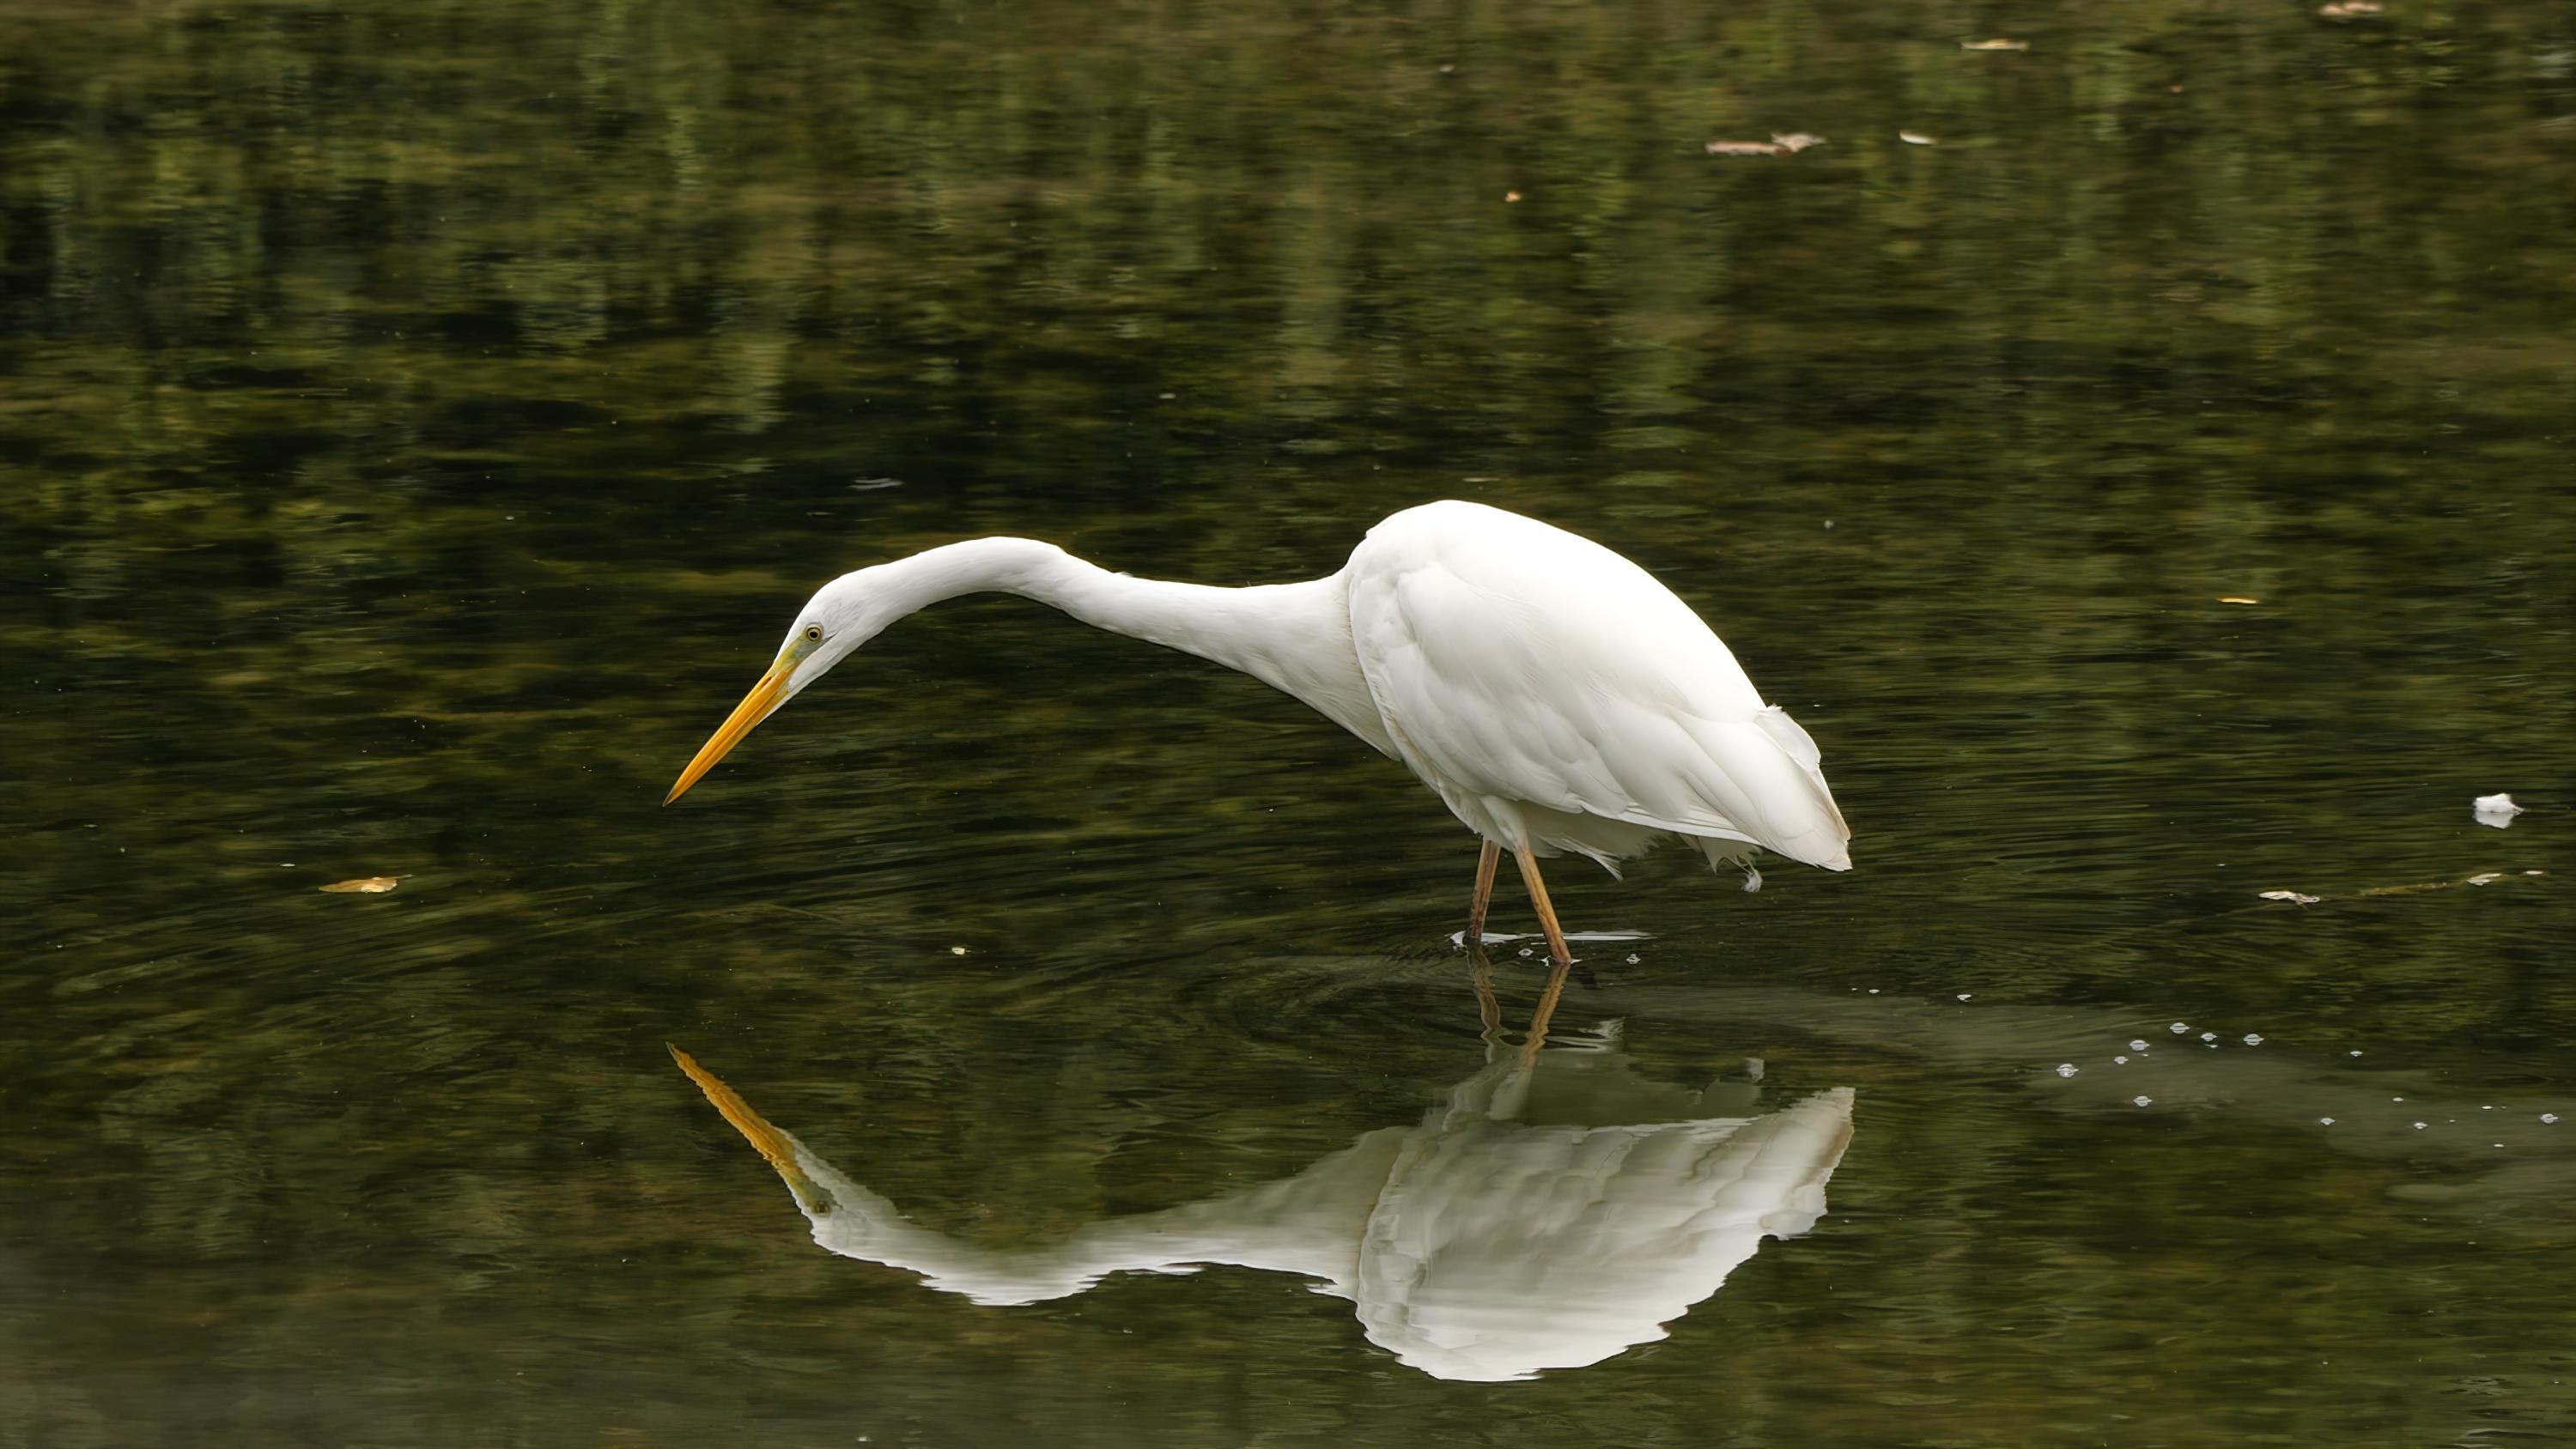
(1295, 638)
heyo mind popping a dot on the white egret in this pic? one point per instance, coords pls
(1553, 693)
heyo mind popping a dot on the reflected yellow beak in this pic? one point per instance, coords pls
(754, 708)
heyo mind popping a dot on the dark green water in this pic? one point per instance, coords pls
(417, 423)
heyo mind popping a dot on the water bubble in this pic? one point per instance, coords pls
(2325, 1121)
(2209, 1036)
(2141, 1101)
(1964, 995)
(2178, 1028)
(2419, 1126)
(2119, 1061)
(1632, 958)
(1873, 991)
(2547, 1117)
(2356, 1052)
(2066, 1069)
(2138, 1046)
(1525, 950)
(2253, 1038)
(2397, 1099)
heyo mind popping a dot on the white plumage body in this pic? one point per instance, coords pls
(1556, 696)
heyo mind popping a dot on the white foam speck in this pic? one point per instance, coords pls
(2066, 1069)
(2178, 1028)
(2325, 1121)
(2141, 1101)
(2495, 810)
(2138, 1046)
(2119, 1061)
(2253, 1038)
(2548, 1117)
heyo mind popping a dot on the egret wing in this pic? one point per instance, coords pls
(1515, 662)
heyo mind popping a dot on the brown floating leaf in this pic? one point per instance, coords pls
(2237, 599)
(1916, 138)
(372, 885)
(1744, 148)
(1994, 45)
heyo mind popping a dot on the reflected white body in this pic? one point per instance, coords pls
(1546, 1215)
(1553, 693)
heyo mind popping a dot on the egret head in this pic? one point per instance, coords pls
(839, 618)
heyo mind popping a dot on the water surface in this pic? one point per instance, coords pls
(417, 424)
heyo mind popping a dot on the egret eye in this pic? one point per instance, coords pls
(813, 633)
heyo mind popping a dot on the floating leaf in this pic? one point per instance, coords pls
(1994, 45)
(2293, 897)
(371, 885)
(1916, 138)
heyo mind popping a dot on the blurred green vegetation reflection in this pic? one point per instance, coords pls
(417, 421)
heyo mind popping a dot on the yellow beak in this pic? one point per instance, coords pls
(754, 708)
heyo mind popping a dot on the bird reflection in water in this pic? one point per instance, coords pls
(1551, 1211)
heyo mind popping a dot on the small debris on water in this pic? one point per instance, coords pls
(956, 950)
(2119, 1061)
(2496, 810)
(2482, 877)
(2138, 1045)
(2141, 1101)
(2066, 1069)
(1916, 138)
(2419, 1126)
(371, 885)
(2347, 9)
(1779, 145)
(2209, 1036)
(2325, 1121)
(1964, 995)
(2179, 1027)
(2356, 1051)
(2295, 898)
(1994, 45)
(2237, 599)
(1632, 958)
(2548, 1118)
(2253, 1038)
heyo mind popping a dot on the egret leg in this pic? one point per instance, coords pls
(1486, 860)
(1562, 958)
